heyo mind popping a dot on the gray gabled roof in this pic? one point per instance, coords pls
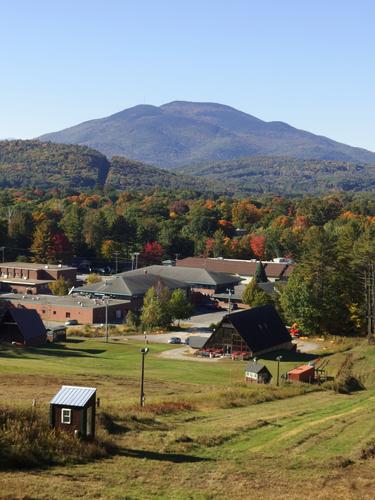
(189, 275)
(71, 395)
(255, 367)
(130, 285)
(268, 287)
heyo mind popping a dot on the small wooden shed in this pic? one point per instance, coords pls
(304, 373)
(73, 410)
(56, 333)
(257, 374)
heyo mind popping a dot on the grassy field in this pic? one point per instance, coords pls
(203, 433)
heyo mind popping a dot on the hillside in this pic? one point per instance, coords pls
(181, 133)
(131, 174)
(31, 164)
(209, 425)
(287, 175)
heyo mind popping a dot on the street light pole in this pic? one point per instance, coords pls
(143, 351)
(229, 296)
(116, 260)
(136, 259)
(278, 359)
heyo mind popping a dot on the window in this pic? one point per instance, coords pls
(54, 312)
(66, 416)
(67, 315)
(43, 311)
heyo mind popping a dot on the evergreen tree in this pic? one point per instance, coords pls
(72, 224)
(315, 294)
(20, 229)
(260, 273)
(95, 230)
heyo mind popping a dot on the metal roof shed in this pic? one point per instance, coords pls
(258, 374)
(73, 410)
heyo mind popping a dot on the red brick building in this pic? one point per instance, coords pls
(70, 307)
(33, 278)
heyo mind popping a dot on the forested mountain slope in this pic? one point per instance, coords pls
(46, 165)
(181, 133)
(287, 175)
(30, 164)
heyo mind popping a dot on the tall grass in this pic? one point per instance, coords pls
(26, 440)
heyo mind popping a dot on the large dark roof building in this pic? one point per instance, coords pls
(134, 284)
(130, 285)
(257, 331)
(22, 326)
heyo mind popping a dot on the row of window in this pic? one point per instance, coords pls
(67, 314)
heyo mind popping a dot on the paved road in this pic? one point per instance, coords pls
(198, 325)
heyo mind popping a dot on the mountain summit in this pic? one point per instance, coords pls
(180, 133)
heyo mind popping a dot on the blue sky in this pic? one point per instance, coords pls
(309, 63)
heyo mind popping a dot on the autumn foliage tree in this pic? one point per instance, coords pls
(152, 253)
(258, 245)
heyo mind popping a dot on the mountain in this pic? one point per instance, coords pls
(182, 133)
(286, 175)
(30, 164)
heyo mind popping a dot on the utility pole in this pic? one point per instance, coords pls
(106, 318)
(3, 250)
(143, 351)
(116, 253)
(278, 359)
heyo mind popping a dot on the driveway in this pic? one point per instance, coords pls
(183, 354)
(197, 325)
(306, 345)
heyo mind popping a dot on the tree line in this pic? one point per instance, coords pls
(331, 237)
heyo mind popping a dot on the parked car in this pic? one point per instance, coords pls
(71, 322)
(175, 340)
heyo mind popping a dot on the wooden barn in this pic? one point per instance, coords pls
(23, 327)
(256, 373)
(250, 332)
(73, 410)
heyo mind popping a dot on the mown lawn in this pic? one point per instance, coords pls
(223, 445)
